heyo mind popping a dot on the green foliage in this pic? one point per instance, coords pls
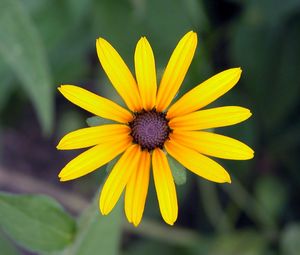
(178, 171)
(97, 232)
(150, 248)
(242, 243)
(272, 195)
(7, 248)
(36, 222)
(46, 43)
(22, 49)
(264, 42)
(290, 240)
(97, 121)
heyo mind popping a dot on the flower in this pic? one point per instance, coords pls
(151, 128)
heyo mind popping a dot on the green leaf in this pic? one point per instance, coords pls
(7, 248)
(264, 191)
(290, 240)
(22, 49)
(36, 222)
(97, 232)
(178, 171)
(97, 121)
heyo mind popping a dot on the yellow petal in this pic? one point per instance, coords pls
(119, 74)
(137, 189)
(93, 158)
(87, 137)
(205, 93)
(176, 70)
(95, 104)
(145, 73)
(213, 144)
(211, 118)
(118, 178)
(197, 163)
(165, 187)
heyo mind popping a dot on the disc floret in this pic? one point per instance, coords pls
(150, 129)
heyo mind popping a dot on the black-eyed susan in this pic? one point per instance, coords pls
(151, 128)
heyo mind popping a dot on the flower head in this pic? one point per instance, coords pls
(151, 128)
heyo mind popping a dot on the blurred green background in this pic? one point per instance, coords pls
(45, 43)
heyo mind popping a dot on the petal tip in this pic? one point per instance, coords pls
(60, 88)
(171, 223)
(100, 42)
(62, 179)
(228, 179)
(235, 72)
(102, 211)
(251, 154)
(192, 32)
(136, 223)
(64, 88)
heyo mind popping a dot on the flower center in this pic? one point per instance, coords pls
(150, 129)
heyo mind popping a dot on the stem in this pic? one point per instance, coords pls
(173, 235)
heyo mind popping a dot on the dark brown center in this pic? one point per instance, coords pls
(150, 129)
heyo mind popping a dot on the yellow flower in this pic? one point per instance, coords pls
(151, 128)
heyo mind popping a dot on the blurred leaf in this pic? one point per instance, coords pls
(111, 164)
(97, 232)
(7, 247)
(97, 121)
(6, 84)
(178, 171)
(66, 36)
(253, 48)
(244, 200)
(290, 240)
(175, 17)
(52, 19)
(145, 17)
(36, 222)
(241, 243)
(108, 21)
(266, 53)
(69, 120)
(213, 209)
(271, 12)
(196, 13)
(22, 49)
(78, 9)
(286, 90)
(271, 194)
